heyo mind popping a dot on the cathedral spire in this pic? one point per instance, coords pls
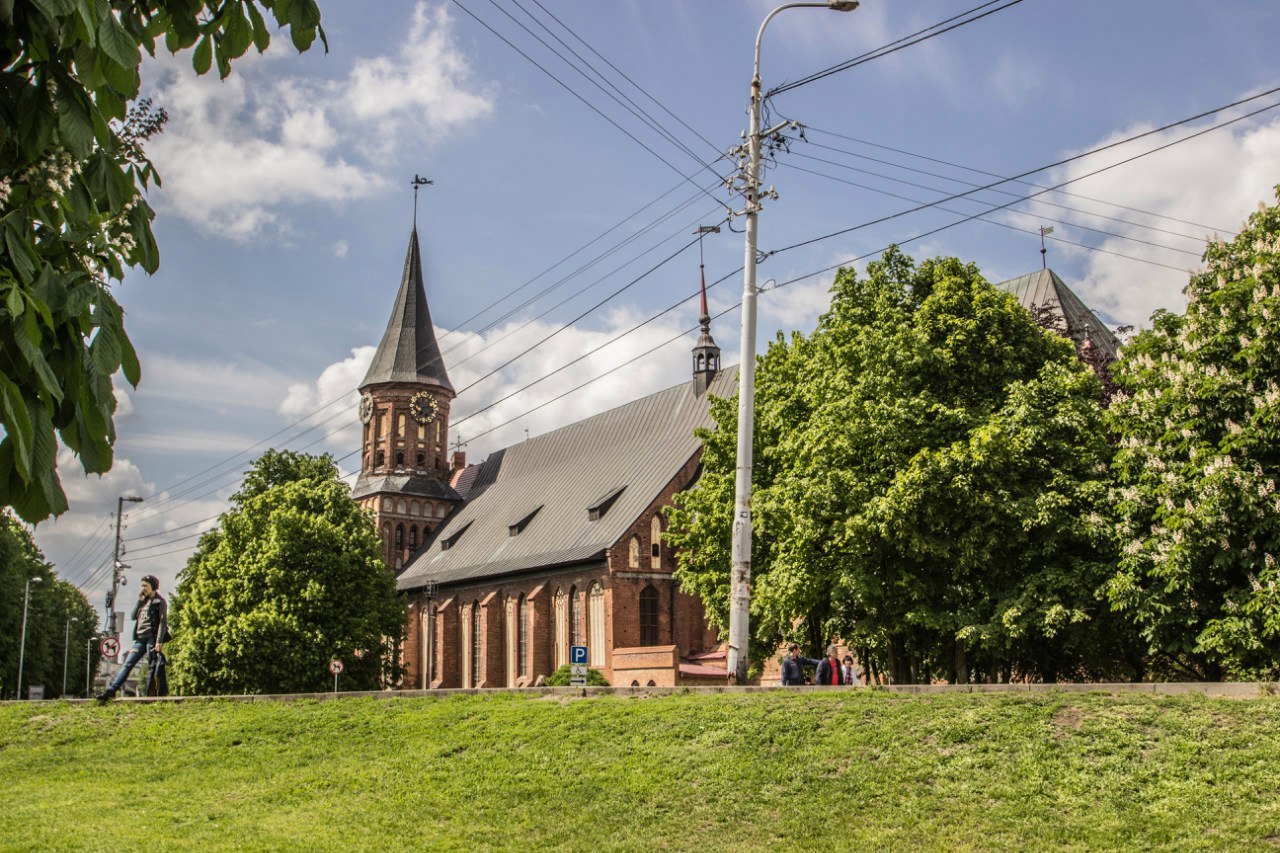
(408, 351)
(706, 355)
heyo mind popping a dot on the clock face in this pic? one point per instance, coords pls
(424, 407)
(366, 409)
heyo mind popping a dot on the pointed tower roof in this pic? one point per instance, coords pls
(1043, 289)
(409, 352)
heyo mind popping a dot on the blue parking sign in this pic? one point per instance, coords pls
(577, 654)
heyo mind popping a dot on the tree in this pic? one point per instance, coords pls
(292, 578)
(72, 211)
(51, 637)
(926, 465)
(1195, 503)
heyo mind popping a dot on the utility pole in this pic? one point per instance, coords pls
(87, 644)
(116, 565)
(66, 652)
(22, 649)
(740, 559)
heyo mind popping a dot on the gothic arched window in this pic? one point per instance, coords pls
(595, 621)
(477, 660)
(399, 537)
(413, 538)
(522, 638)
(649, 616)
(633, 553)
(655, 543)
(382, 458)
(400, 459)
(575, 618)
(422, 460)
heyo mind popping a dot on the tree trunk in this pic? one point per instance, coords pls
(962, 665)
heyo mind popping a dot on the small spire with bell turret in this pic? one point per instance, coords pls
(706, 355)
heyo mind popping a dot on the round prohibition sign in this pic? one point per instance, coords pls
(335, 666)
(110, 647)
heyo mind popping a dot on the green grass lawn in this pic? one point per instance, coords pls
(839, 770)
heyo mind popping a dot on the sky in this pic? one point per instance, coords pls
(561, 218)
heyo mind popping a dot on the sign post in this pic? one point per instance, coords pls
(335, 666)
(577, 666)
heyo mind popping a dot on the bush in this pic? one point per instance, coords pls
(560, 678)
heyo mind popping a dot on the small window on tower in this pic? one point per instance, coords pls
(422, 460)
(399, 537)
(400, 426)
(413, 538)
(382, 458)
(399, 460)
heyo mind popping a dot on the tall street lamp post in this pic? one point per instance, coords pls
(66, 653)
(22, 646)
(87, 645)
(116, 565)
(740, 570)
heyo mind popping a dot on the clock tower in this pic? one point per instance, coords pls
(404, 416)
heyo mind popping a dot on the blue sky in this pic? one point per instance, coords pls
(286, 208)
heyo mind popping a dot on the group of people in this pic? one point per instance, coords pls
(830, 670)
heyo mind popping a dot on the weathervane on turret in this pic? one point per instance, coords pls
(418, 181)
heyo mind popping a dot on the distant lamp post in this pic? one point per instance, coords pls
(66, 653)
(740, 568)
(88, 644)
(22, 646)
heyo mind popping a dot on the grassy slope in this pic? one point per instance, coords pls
(847, 769)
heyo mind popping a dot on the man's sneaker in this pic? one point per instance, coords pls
(106, 696)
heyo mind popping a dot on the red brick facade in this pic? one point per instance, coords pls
(674, 622)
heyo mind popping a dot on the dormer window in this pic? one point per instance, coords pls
(518, 528)
(598, 508)
(452, 539)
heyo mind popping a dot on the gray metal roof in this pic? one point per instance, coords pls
(415, 484)
(1043, 289)
(637, 447)
(409, 352)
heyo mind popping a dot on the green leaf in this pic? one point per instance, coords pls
(237, 34)
(129, 364)
(74, 123)
(224, 61)
(302, 38)
(261, 35)
(202, 59)
(6, 11)
(14, 302)
(17, 425)
(117, 43)
(105, 350)
(20, 253)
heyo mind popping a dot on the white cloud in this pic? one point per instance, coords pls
(237, 153)
(341, 248)
(218, 386)
(1216, 180)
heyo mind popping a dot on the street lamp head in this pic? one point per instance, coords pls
(136, 500)
(842, 5)
(37, 580)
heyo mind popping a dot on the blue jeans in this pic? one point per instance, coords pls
(140, 647)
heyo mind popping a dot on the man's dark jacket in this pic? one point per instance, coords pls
(793, 669)
(823, 675)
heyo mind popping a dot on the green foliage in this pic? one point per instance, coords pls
(928, 469)
(1195, 502)
(691, 771)
(292, 578)
(72, 211)
(560, 678)
(53, 603)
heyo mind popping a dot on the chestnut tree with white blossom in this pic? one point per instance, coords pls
(1195, 504)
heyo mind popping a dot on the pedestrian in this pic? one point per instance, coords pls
(828, 672)
(150, 631)
(793, 666)
(850, 675)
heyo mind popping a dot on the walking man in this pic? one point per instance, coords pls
(793, 666)
(151, 629)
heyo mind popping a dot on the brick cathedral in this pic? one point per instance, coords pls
(552, 542)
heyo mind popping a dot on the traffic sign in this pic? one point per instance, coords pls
(110, 647)
(578, 670)
(577, 654)
(335, 666)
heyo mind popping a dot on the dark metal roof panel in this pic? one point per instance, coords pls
(409, 351)
(640, 445)
(418, 485)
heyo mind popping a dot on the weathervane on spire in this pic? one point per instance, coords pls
(705, 318)
(1044, 232)
(418, 181)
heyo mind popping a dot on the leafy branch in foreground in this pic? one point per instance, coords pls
(72, 212)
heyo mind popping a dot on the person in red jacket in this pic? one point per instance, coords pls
(829, 669)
